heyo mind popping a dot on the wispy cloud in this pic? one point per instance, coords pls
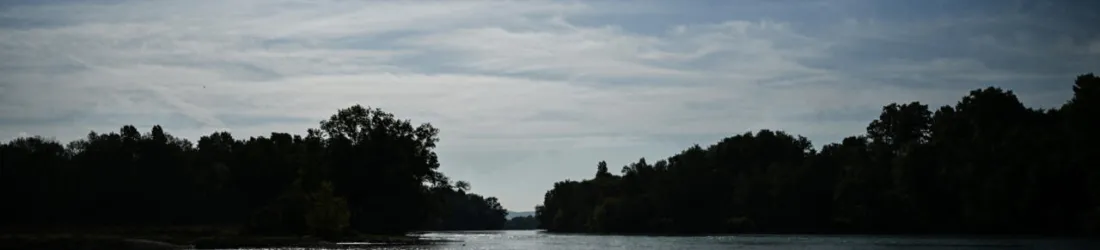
(526, 93)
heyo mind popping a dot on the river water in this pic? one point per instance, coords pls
(535, 240)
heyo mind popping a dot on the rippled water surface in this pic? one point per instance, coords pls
(534, 240)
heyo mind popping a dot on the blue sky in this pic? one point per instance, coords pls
(527, 93)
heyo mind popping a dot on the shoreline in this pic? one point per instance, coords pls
(157, 238)
(843, 234)
(33, 241)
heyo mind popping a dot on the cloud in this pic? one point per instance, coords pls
(529, 92)
(1094, 47)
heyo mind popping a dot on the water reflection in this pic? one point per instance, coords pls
(536, 240)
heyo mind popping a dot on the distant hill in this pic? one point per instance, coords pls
(513, 214)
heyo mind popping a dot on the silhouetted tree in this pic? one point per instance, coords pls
(466, 211)
(522, 223)
(363, 170)
(988, 164)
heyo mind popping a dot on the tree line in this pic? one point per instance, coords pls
(522, 223)
(988, 164)
(363, 170)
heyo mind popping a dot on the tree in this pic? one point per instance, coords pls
(522, 223)
(462, 186)
(376, 155)
(601, 170)
(363, 170)
(987, 164)
(901, 126)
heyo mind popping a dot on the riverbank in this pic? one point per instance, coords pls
(164, 238)
(847, 234)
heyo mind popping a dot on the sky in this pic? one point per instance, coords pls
(527, 93)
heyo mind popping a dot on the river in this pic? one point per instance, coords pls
(535, 240)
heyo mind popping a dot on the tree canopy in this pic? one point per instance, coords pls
(988, 164)
(363, 170)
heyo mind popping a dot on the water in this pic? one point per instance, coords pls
(535, 240)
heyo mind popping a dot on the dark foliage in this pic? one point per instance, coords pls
(363, 169)
(522, 223)
(985, 165)
(467, 211)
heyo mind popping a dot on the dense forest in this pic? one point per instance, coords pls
(362, 171)
(988, 164)
(522, 223)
